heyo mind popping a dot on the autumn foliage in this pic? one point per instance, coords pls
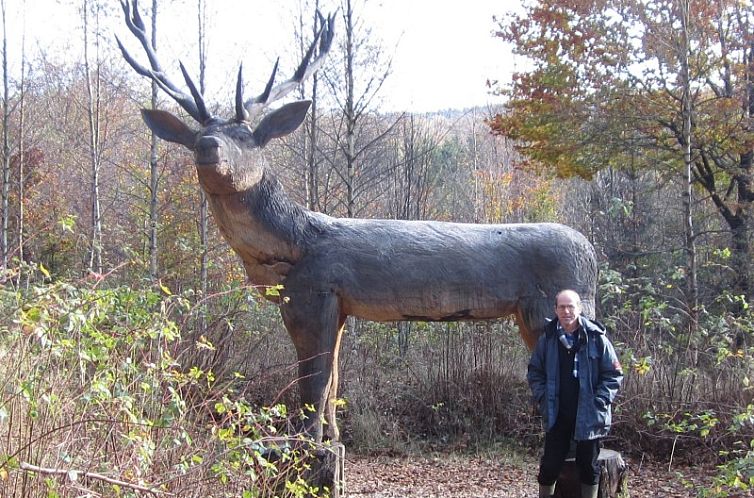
(169, 380)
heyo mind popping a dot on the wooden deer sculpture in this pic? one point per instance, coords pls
(330, 268)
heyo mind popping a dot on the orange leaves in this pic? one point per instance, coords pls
(518, 195)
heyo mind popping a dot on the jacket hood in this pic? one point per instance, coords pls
(592, 325)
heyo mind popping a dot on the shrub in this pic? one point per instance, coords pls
(94, 398)
(687, 393)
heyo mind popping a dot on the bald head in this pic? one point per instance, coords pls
(571, 294)
(568, 309)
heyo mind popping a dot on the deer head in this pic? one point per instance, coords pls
(226, 151)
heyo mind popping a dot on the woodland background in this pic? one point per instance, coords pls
(131, 347)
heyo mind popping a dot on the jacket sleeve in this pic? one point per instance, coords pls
(536, 373)
(610, 375)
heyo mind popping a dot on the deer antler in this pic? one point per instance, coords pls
(192, 104)
(308, 66)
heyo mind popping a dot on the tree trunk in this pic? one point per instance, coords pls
(153, 172)
(312, 198)
(6, 148)
(203, 208)
(93, 103)
(22, 152)
(613, 477)
(350, 115)
(741, 261)
(742, 232)
(475, 169)
(686, 110)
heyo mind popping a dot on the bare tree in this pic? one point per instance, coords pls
(153, 170)
(415, 144)
(92, 79)
(356, 87)
(311, 124)
(203, 207)
(6, 143)
(22, 149)
(684, 51)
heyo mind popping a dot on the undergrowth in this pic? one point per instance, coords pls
(687, 396)
(116, 390)
(96, 400)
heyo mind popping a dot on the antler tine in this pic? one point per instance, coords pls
(192, 104)
(198, 99)
(241, 114)
(266, 94)
(307, 66)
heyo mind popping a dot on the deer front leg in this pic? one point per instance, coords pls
(531, 316)
(333, 432)
(314, 322)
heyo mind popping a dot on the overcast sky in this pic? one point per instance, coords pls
(443, 50)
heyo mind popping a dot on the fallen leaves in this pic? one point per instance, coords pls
(452, 476)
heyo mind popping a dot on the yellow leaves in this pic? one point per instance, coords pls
(204, 343)
(273, 290)
(165, 289)
(518, 195)
(642, 366)
(44, 270)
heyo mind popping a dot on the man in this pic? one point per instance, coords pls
(574, 375)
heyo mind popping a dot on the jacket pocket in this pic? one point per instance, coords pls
(601, 414)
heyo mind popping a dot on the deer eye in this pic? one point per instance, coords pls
(242, 134)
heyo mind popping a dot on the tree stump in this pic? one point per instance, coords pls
(613, 477)
(327, 469)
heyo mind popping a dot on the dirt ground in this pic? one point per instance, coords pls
(475, 477)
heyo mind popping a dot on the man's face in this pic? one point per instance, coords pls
(568, 309)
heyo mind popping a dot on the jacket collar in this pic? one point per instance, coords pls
(590, 326)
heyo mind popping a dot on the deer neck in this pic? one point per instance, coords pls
(264, 227)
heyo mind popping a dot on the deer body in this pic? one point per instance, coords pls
(330, 268)
(392, 270)
(388, 270)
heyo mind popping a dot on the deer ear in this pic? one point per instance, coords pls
(281, 121)
(168, 127)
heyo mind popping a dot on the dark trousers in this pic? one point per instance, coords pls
(557, 444)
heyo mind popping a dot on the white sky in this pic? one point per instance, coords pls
(443, 50)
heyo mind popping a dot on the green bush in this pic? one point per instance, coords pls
(687, 394)
(95, 396)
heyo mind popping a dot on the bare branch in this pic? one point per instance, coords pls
(74, 475)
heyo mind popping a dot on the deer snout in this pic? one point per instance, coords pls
(207, 150)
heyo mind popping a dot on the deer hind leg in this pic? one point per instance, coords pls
(314, 321)
(531, 316)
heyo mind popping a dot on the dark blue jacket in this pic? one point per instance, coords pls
(600, 376)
